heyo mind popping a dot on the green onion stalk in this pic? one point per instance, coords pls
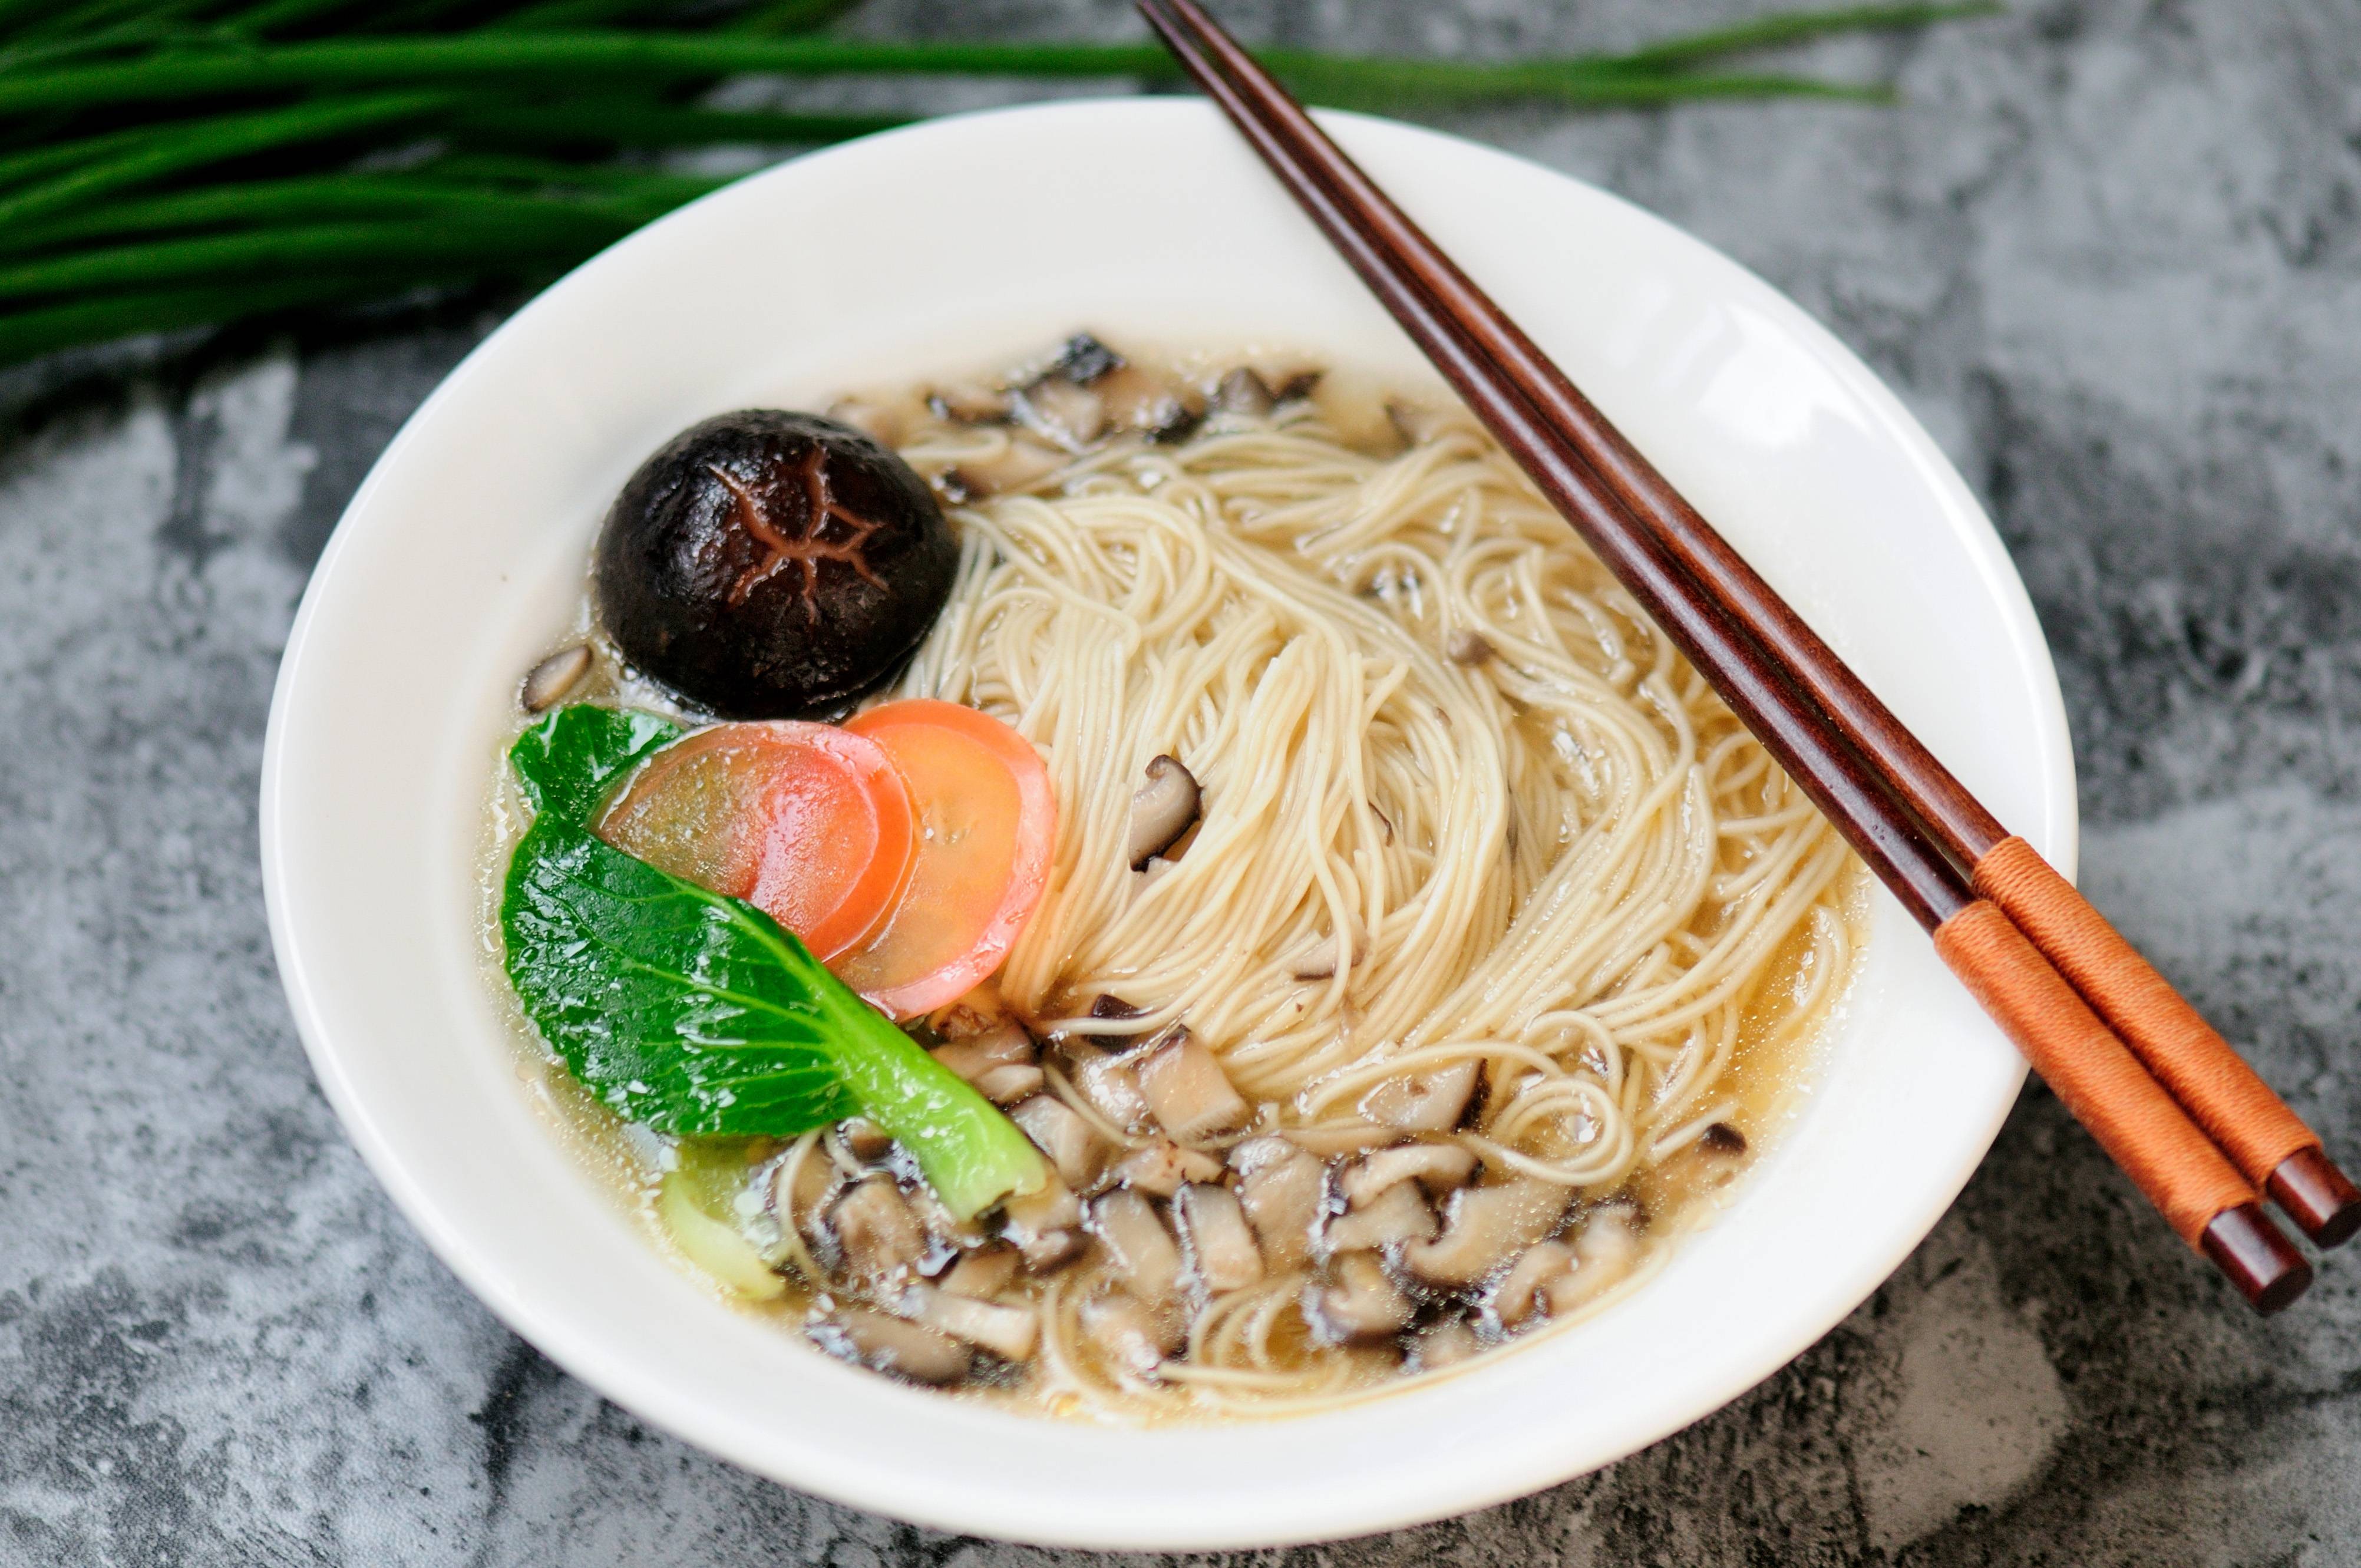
(169, 164)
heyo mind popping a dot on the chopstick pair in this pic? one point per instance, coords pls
(2168, 1098)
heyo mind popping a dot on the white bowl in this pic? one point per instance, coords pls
(961, 243)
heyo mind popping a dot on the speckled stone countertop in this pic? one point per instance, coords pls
(2109, 251)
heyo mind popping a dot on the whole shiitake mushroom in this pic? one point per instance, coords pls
(769, 564)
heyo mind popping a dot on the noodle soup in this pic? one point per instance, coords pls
(1414, 946)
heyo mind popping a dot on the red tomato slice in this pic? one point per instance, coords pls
(986, 816)
(809, 824)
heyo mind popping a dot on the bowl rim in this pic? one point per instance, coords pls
(850, 1481)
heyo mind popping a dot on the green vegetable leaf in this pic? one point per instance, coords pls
(568, 761)
(698, 1013)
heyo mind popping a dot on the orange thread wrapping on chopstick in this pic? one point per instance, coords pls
(2209, 1077)
(2164, 1153)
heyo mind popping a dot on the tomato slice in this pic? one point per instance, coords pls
(808, 823)
(986, 816)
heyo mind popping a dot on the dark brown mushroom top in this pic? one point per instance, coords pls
(769, 565)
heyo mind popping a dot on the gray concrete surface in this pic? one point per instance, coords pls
(2111, 252)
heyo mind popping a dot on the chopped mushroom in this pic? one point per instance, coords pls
(863, 1139)
(1109, 1084)
(1008, 1332)
(1399, 1215)
(1486, 1226)
(1137, 400)
(1423, 1102)
(1446, 1344)
(1187, 1090)
(950, 1234)
(967, 403)
(877, 1229)
(814, 1181)
(1019, 466)
(1007, 1085)
(1142, 1250)
(979, 1012)
(1161, 1166)
(889, 1344)
(1417, 424)
(1244, 392)
(1078, 1152)
(999, 1061)
(982, 1273)
(1358, 1301)
(1132, 1336)
(1219, 1237)
(1082, 358)
(1604, 1255)
(1042, 1224)
(1295, 382)
(1106, 1005)
(1345, 1138)
(1067, 415)
(546, 684)
(1438, 1168)
(1161, 811)
(1519, 1288)
(1284, 1191)
(1720, 1137)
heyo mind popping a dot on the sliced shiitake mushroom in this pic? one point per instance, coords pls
(1018, 465)
(1130, 1333)
(891, 1345)
(1484, 1227)
(1606, 1250)
(1078, 1152)
(878, 1230)
(1142, 1251)
(1358, 1302)
(1162, 1167)
(1008, 1331)
(1442, 1344)
(1284, 1191)
(1429, 1101)
(964, 402)
(982, 1273)
(1244, 392)
(1162, 809)
(546, 684)
(1519, 1290)
(1438, 1168)
(1068, 415)
(999, 1061)
(1083, 359)
(1044, 1226)
(1396, 1216)
(1137, 400)
(1220, 1241)
(1188, 1091)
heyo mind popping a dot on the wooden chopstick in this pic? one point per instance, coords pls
(2174, 1162)
(2269, 1144)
